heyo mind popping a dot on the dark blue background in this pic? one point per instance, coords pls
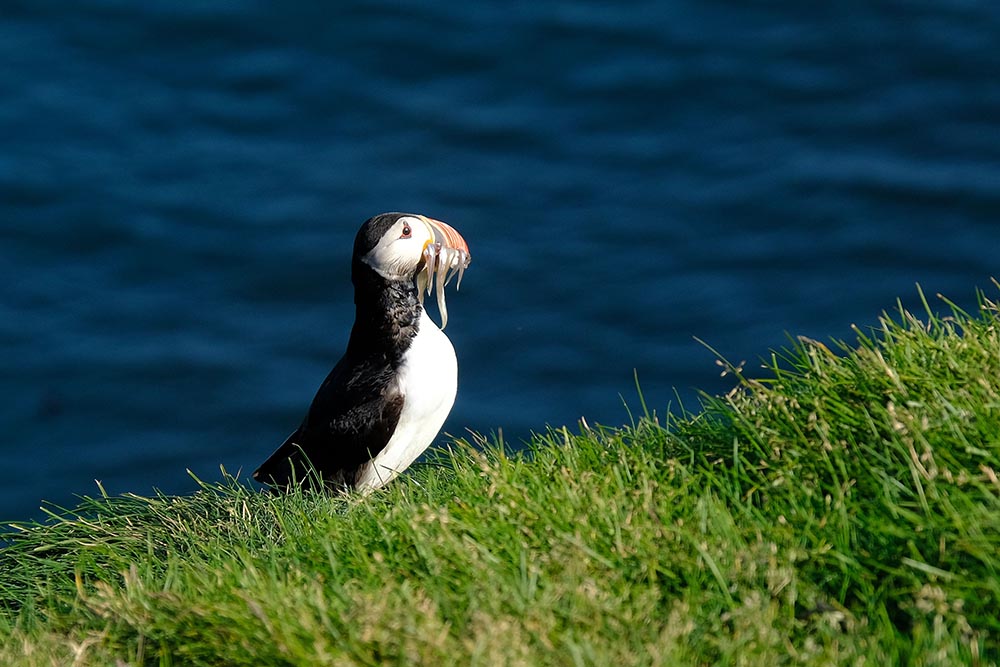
(180, 183)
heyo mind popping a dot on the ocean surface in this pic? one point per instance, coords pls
(181, 182)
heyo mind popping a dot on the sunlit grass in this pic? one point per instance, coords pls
(844, 511)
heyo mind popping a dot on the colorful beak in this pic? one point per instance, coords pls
(444, 256)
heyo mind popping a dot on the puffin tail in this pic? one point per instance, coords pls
(288, 466)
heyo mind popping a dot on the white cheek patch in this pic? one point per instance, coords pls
(385, 261)
(395, 258)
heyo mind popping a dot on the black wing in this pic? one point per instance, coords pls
(350, 420)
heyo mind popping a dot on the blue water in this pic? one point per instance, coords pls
(180, 184)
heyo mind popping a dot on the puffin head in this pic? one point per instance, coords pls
(405, 247)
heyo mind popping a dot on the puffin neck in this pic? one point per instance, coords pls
(387, 313)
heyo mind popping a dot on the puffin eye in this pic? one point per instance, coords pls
(407, 232)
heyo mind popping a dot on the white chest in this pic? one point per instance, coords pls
(428, 380)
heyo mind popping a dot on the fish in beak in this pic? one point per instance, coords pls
(445, 254)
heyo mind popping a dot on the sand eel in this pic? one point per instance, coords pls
(387, 398)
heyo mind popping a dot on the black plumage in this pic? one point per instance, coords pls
(356, 409)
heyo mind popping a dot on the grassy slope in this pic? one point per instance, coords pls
(846, 511)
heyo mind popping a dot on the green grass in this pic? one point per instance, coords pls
(844, 511)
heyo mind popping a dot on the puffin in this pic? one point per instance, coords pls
(387, 398)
